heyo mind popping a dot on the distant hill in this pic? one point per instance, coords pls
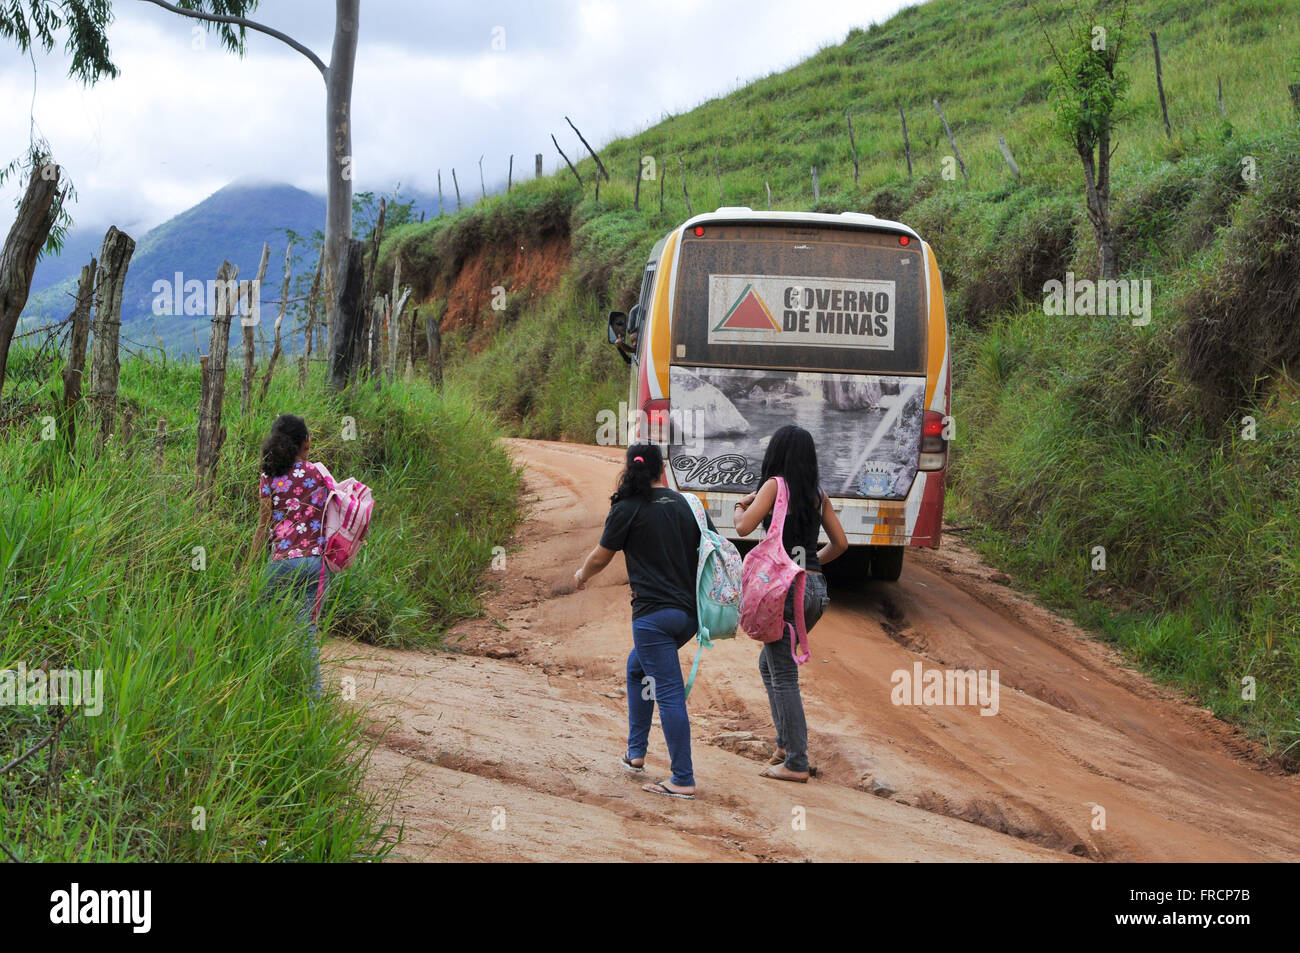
(232, 224)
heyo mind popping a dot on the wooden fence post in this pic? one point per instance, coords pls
(852, 145)
(440, 193)
(661, 190)
(768, 186)
(481, 184)
(907, 146)
(159, 443)
(246, 324)
(76, 366)
(951, 141)
(537, 162)
(398, 301)
(566, 159)
(1160, 85)
(378, 311)
(433, 339)
(211, 433)
(456, 183)
(346, 342)
(114, 257)
(279, 319)
(510, 173)
(599, 165)
(311, 320)
(817, 189)
(1006, 154)
(682, 167)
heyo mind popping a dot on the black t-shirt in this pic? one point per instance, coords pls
(660, 541)
(790, 539)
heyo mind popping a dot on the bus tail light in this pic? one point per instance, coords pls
(653, 424)
(934, 448)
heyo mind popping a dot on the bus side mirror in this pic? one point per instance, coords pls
(617, 328)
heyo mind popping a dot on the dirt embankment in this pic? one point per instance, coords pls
(525, 272)
(508, 747)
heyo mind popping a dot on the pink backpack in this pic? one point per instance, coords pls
(345, 522)
(766, 576)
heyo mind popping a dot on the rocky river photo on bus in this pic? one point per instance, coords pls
(867, 427)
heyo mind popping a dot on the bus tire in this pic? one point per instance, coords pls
(886, 562)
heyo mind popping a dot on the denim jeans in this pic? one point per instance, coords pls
(300, 577)
(781, 675)
(654, 674)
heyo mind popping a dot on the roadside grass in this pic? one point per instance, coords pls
(207, 747)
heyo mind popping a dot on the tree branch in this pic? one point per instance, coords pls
(248, 24)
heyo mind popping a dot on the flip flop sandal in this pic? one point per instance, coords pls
(651, 788)
(767, 773)
(634, 768)
(778, 757)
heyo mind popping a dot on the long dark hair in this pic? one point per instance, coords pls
(282, 445)
(791, 454)
(645, 462)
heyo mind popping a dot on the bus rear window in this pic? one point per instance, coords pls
(779, 296)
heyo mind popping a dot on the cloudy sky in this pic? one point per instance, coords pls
(185, 117)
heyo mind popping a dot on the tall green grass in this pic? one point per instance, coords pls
(208, 747)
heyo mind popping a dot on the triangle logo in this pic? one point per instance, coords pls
(748, 313)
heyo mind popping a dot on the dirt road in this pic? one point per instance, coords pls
(507, 747)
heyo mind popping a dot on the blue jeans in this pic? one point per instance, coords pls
(655, 675)
(301, 576)
(780, 675)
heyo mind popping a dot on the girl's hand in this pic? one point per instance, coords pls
(577, 579)
(746, 500)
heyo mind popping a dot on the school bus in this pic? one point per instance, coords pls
(750, 320)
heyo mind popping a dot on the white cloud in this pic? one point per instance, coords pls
(429, 93)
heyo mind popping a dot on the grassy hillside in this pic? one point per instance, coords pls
(205, 716)
(1072, 432)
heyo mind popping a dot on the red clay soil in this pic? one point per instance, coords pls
(530, 271)
(508, 746)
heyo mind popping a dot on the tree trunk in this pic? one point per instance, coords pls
(338, 130)
(76, 366)
(114, 257)
(37, 213)
(1097, 192)
(212, 389)
(345, 339)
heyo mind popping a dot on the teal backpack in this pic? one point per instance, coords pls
(717, 587)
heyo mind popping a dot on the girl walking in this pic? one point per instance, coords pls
(292, 491)
(792, 456)
(656, 530)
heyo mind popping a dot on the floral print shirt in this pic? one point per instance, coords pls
(297, 502)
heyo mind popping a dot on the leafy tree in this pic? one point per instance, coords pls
(1086, 94)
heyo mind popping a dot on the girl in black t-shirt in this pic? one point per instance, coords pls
(792, 455)
(657, 533)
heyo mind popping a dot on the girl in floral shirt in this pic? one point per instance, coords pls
(292, 491)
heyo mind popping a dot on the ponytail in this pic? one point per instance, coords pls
(281, 447)
(645, 462)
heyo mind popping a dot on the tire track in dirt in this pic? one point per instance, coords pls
(507, 746)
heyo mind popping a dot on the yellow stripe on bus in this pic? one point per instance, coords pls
(938, 329)
(660, 331)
